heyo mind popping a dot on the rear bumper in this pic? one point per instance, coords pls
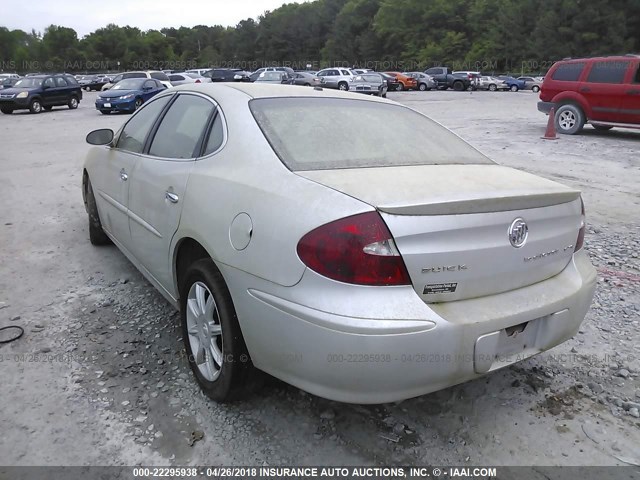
(412, 348)
(545, 107)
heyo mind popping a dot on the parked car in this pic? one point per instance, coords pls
(492, 84)
(360, 71)
(227, 75)
(273, 77)
(392, 82)
(329, 244)
(8, 82)
(405, 82)
(473, 76)
(446, 79)
(336, 77)
(93, 82)
(513, 83)
(183, 78)
(128, 95)
(601, 91)
(42, 92)
(370, 83)
(531, 83)
(196, 77)
(306, 79)
(424, 81)
(156, 75)
(254, 76)
(9, 75)
(198, 71)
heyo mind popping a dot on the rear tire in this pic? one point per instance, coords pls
(422, 87)
(399, 87)
(221, 362)
(344, 86)
(493, 88)
(569, 119)
(535, 89)
(96, 233)
(6, 110)
(73, 103)
(458, 86)
(514, 88)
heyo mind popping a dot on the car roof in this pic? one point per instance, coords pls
(262, 90)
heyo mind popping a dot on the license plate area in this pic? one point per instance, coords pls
(107, 105)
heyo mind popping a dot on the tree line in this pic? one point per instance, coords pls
(488, 35)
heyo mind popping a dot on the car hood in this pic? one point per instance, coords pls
(16, 90)
(117, 93)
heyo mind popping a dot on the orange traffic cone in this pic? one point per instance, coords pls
(550, 133)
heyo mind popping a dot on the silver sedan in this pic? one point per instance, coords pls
(297, 237)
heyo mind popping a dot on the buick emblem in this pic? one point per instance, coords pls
(518, 232)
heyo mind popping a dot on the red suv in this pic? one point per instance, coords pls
(602, 91)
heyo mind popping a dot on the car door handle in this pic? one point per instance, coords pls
(172, 197)
(123, 175)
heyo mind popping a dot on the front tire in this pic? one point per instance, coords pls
(35, 106)
(96, 233)
(493, 88)
(514, 88)
(138, 104)
(343, 86)
(535, 89)
(458, 86)
(423, 87)
(6, 110)
(399, 87)
(73, 103)
(569, 119)
(211, 333)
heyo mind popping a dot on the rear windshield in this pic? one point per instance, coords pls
(134, 75)
(159, 76)
(333, 133)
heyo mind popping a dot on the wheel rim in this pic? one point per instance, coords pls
(492, 88)
(205, 331)
(567, 120)
(37, 107)
(514, 88)
(423, 87)
(138, 104)
(536, 89)
(74, 103)
(342, 86)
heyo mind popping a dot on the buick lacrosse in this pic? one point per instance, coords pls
(297, 236)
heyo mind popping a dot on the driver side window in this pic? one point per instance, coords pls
(134, 133)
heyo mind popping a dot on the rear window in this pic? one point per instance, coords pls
(159, 76)
(568, 72)
(334, 133)
(608, 72)
(134, 75)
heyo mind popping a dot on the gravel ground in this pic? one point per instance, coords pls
(100, 375)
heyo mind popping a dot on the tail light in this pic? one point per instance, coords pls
(583, 224)
(357, 249)
(198, 80)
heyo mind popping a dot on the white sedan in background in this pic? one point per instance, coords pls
(298, 237)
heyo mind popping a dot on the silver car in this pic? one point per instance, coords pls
(336, 77)
(425, 82)
(492, 84)
(370, 83)
(184, 78)
(298, 239)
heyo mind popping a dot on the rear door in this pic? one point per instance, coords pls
(604, 89)
(50, 93)
(630, 106)
(160, 179)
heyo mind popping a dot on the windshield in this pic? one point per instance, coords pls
(134, 75)
(130, 84)
(29, 82)
(332, 133)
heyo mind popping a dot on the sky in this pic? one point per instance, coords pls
(85, 17)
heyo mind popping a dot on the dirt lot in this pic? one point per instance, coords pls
(99, 376)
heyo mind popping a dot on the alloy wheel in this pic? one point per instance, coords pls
(205, 331)
(567, 120)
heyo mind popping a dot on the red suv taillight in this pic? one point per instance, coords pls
(357, 249)
(583, 224)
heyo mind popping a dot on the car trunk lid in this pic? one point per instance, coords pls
(451, 224)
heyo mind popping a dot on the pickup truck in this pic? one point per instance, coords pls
(446, 79)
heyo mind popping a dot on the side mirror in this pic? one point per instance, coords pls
(103, 136)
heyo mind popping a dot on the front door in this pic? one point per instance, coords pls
(111, 179)
(159, 182)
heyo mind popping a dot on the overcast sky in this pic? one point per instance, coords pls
(85, 17)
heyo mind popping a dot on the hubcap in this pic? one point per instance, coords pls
(37, 107)
(205, 331)
(567, 120)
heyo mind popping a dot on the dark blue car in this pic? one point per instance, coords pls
(128, 95)
(513, 83)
